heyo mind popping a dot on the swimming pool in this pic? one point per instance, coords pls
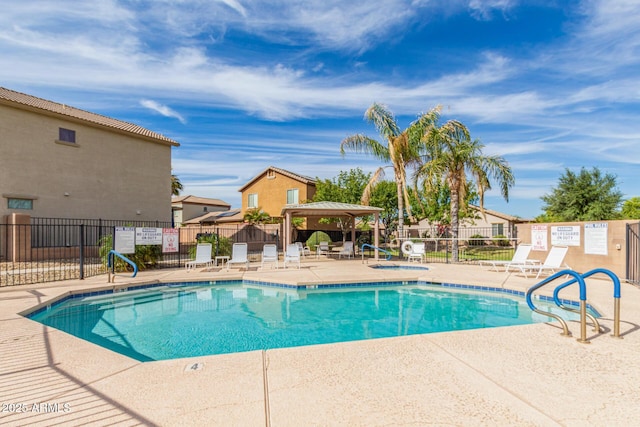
(178, 320)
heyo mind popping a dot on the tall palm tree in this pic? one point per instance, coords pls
(451, 154)
(401, 150)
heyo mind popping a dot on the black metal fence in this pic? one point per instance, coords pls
(633, 253)
(52, 249)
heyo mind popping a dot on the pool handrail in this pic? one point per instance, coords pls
(616, 296)
(366, 245)
(111, 265)
(583, 297)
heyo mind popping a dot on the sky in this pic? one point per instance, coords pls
(243, 85)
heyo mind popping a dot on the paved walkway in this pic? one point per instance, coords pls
(523, 375)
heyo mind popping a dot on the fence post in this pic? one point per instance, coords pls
(81, 251)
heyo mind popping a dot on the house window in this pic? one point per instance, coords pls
(205, 209)
(497, 229)
(67, 135)
(20, 204)
(292, 196)
(271, 174)
(252, 201)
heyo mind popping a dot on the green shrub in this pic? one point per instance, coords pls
(222, 243)
(145, 256)
(317, 237)
(501, 240)
(476, 240)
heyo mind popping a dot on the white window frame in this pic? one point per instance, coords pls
(295, 196)
(252, 201)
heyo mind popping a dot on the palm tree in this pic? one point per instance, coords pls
(176, 185)
(401, 150)
(450, 155)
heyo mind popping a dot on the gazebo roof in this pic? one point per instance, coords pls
(330, 209)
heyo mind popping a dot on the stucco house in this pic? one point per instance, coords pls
(189, 207)
(58, 161)
(274, 188)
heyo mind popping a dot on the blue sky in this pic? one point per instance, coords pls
(245, 84)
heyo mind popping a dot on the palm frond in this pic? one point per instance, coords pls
(383, 120)
(363, 144)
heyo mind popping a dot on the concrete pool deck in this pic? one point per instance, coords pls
(522, 375)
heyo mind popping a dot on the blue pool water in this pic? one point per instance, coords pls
(175, 321)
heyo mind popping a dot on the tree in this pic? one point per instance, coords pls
(176, 185)
(451, 154)
(256, 216)
(384, 195)
(401, 150)
(586, 196)
(631, 208)
(347, 187)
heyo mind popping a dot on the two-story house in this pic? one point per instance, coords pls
(58, 161)
(274, 188)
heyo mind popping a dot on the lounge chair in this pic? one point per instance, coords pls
(417, 252)
(292, 255)
(553, 262)
(323, 248)
(519, 258)
(304, 250)
(269, 254)
(346, 250)
(203, 256)
(238, 255)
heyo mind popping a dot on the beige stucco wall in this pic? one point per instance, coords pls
(615, 260)
(106, 174)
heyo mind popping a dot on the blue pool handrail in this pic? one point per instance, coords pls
(366, 245)
(616, 295)
(113, 253)
(580, 279)
(583, 297)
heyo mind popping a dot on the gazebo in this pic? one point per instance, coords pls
(331, 210)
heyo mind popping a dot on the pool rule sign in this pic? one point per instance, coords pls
(170, 238)
(125, 240)
(148, 236)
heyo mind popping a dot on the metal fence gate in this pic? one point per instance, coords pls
(633, 253)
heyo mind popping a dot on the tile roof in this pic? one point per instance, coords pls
(302, 178)
(199, 200)
(21, 100)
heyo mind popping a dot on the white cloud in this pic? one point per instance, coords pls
(162, 109)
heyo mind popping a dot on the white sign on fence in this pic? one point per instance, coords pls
(565, 235)
(148, 236)
(595, 238)
(125, 240)
(539, 237)
(170, 239)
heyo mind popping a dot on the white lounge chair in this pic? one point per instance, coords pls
(417, 252)
(269, 254)
(203, 256)
(292, 255)
(323, 248)
(304, 250)
(553, 262)
(519, 258)
(238, 255)
(346, 250)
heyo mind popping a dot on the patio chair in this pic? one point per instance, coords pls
(292, 255)
(519, 258)
(418, 252)
(323, 248)
(203, 256)
(269, 254)
(304, 250)
(238, 255)
(553, 262)
(346, 250)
